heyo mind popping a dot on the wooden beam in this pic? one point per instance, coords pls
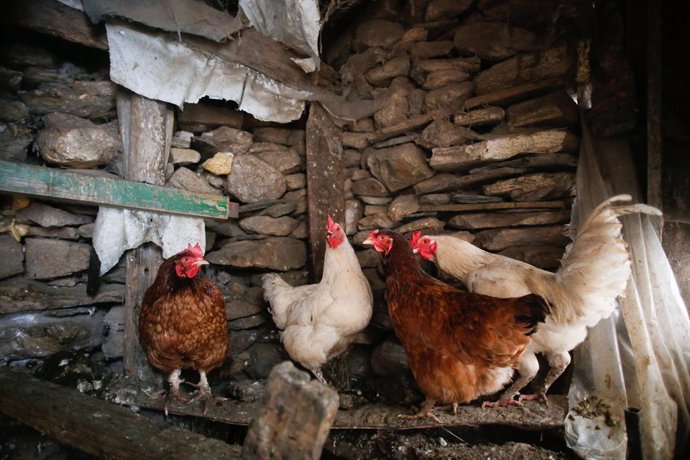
(494, 206)
(654, 109)
(58, 184)
(97, 427)
(294, 419)
(53, 18)
(324, 181)
(146, 128)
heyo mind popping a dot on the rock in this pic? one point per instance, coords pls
(389, 359)
(353, 212)
(534, 187)
(285, 160)
(48, 216)
(113, 340)
(220, 164)
(480, 220)
(246, 390)
(375, 209)
(396, 67)
(14, 142)
(182, 139)
(539, 255)
(377, 33)
(253, 180)
(370, 187)
(368, 258)
(87, 99)
(186, 179)
(50, 258)
(65, 233)
(355, 140)
(442, 133)
(480, 117)
(364, 125)
(359, 174)
(301, 232)
(434, 198)
(226, 139)
(249, 322)
(241, 340)
(443, 78)
(377, 200)
(493, 41)
(296, 181)
(380, 220)
(272, 253)
(299, 198)
(449, 97)
(446, 9)
(75, 142)
(413, 35)
(263, 357)
(10, 80)
(236, 309)
(283, 136)
(280, 209)
(184, 156)
(402, 206)
(501, 238)
(12, 110)
(396, 108)
(399, 167)
(13, 256)
(427, 224)
(280, 226)
(228, 228)
(426, 50)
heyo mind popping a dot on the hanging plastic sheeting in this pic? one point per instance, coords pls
(296, 23)
(120, 229)
(640, 356)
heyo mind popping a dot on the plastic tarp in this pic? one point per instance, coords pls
(296, 23)
(640, 356)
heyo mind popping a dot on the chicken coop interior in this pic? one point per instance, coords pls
(344, 229)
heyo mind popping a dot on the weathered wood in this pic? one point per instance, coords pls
(209, 115)
(489, 206)
(537, 186)
(547, 162)
(480, 117)
(501, 238)
(476, 221)
(501, 148)
(525, 68)
(294, 419)
(555, 109)
(97, 427)
(324, 179)
(54, 18)
(58, 184)
(401, 128)
(533, 416)
(146, 128)
(515, 93)
(21, 294)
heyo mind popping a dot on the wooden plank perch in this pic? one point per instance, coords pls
(98, 427)
(54, 183)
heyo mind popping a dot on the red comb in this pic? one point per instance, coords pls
(415, 238)
(195, 250)
(330, 224)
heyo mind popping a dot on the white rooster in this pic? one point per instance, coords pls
(319, 321)
(594, 271)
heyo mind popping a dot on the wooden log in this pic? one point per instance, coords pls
(537, 186)
(325, 175)
(146, 128)
(21, 294)
(54, 18)
(476, 221)
(490, 206)
(501, 148)
(515, 93)
(58, 184)
(480, 117)
(294, 419)
(525, 68)
(209, 115)
(97, 427)
(555, 109)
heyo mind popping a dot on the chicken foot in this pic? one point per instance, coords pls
(204, 394)
(174, 392)
(558, 362)
(527, 370)
(319, 376)
(427, 410)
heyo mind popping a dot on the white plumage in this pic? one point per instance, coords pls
(594, 271)
(319, 321)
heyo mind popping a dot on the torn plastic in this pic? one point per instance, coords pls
(158, 67)
(640, 355)
(296, 23)
(117, 230)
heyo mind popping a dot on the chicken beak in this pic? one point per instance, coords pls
(201, 262)
(368, 241)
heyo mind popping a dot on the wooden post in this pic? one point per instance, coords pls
(146, 127)
(324, 181)
(294, 419)
(97, 427)
(654, 109)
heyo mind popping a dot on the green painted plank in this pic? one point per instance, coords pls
(70, 186)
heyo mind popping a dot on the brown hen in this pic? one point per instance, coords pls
(182, 323)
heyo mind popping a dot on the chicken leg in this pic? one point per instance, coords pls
(558, 362)
(427, 410)
(527, 370)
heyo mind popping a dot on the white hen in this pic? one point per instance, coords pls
(319, 321)
(593, 273)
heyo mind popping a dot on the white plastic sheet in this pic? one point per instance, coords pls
(640, 356)
(117, 230)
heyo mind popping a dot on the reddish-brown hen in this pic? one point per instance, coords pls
(182, 323)
(459, 345)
